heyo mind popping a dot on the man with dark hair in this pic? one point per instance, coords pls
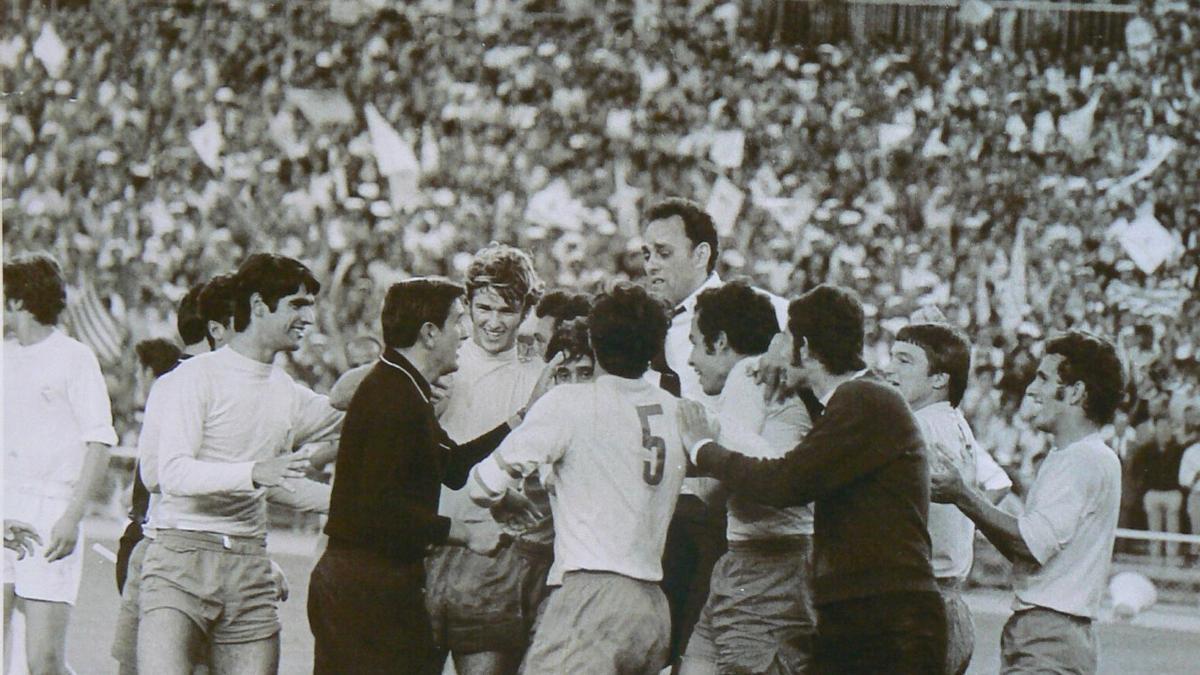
(189, 319)
(930, 363)
(216, 308)
(218, 427)
(578, 363)
(759, 616)
(863, 467)
(57, 432)
(610, 442)
(480, 611)
(555, 307)
(679, 251)
(365, 602)
(1062, 544)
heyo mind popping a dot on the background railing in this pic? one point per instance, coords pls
(1015, 24)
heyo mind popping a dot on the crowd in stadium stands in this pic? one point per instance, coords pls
(915, 175)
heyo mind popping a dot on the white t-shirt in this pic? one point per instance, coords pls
(208, 422)
(765, 430)
(617, 463)
(55, 403)
(949, 440)
(1069, 525)
(484, 392)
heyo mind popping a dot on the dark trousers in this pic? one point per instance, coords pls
(367, 614)
(695, 541)
(899, 633)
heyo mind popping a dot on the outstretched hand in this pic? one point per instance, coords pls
(772, 369)
(516, 512)
(20, 537)
(695, 425)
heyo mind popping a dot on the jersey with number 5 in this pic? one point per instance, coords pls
(613, 462)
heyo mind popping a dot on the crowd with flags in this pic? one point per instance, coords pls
(149, 144)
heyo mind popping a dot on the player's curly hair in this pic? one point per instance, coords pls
(830, 320)
(946, 349)
(37, 281)
(742, 313)
(1092, 360)
(508, 271)
(571, 338)
(562, 305)
(272, 276)
(627, 328)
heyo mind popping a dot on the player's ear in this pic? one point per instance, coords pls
(258, 307)
(721, 343)
(428, 334)
(701, 253)
(940, 380)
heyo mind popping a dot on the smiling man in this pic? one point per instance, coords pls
(930, 365)
(476, 601)
(220, 425)
(1061, 545)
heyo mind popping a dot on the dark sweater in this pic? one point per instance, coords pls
(863, 465)
(392, 460)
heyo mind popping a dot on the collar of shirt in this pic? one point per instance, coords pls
(481, 354)
(1094, 437)
(824, 399)
(396, 360)
(688, 306)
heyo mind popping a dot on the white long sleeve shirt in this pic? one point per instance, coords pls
(208, 422)
(617, 463)
(949, 440)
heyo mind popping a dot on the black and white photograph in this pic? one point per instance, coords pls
(624, 337)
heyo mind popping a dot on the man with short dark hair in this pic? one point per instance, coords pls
(930, 363)
(366, 596)
(759, 616)
(863, 467)
(533, 336)
(219, 427)
(215, 304)
(613, 461)
(57, 432)
(1061, 545)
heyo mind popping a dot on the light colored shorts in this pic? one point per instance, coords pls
(1041, 640)
(759, 616)
(600, 623)
(223, 584)
(33, 577)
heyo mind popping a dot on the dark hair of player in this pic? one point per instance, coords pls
(509, 272)
(697, 224)
(37, 281)
(1094, 361)
(563, 305)
(412, 303)
(159, 355)
(946, 349)
(217, 301)
(628, 327)
(272, 276)
(571, 338)
(742, 313)
(830, 320)
(189, 320)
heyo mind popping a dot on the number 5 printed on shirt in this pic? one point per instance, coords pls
(652, 469)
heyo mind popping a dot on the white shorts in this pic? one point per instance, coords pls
(33, 577)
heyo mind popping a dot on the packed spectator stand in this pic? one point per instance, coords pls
(1022, 187)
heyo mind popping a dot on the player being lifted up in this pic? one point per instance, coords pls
(615, 463)
(759, 616)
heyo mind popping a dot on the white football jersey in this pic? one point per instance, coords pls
(616, 464)
(949, 440)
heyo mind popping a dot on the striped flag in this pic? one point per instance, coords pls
(92, 324)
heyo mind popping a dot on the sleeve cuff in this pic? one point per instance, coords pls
(694, 451)
(104, 435)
